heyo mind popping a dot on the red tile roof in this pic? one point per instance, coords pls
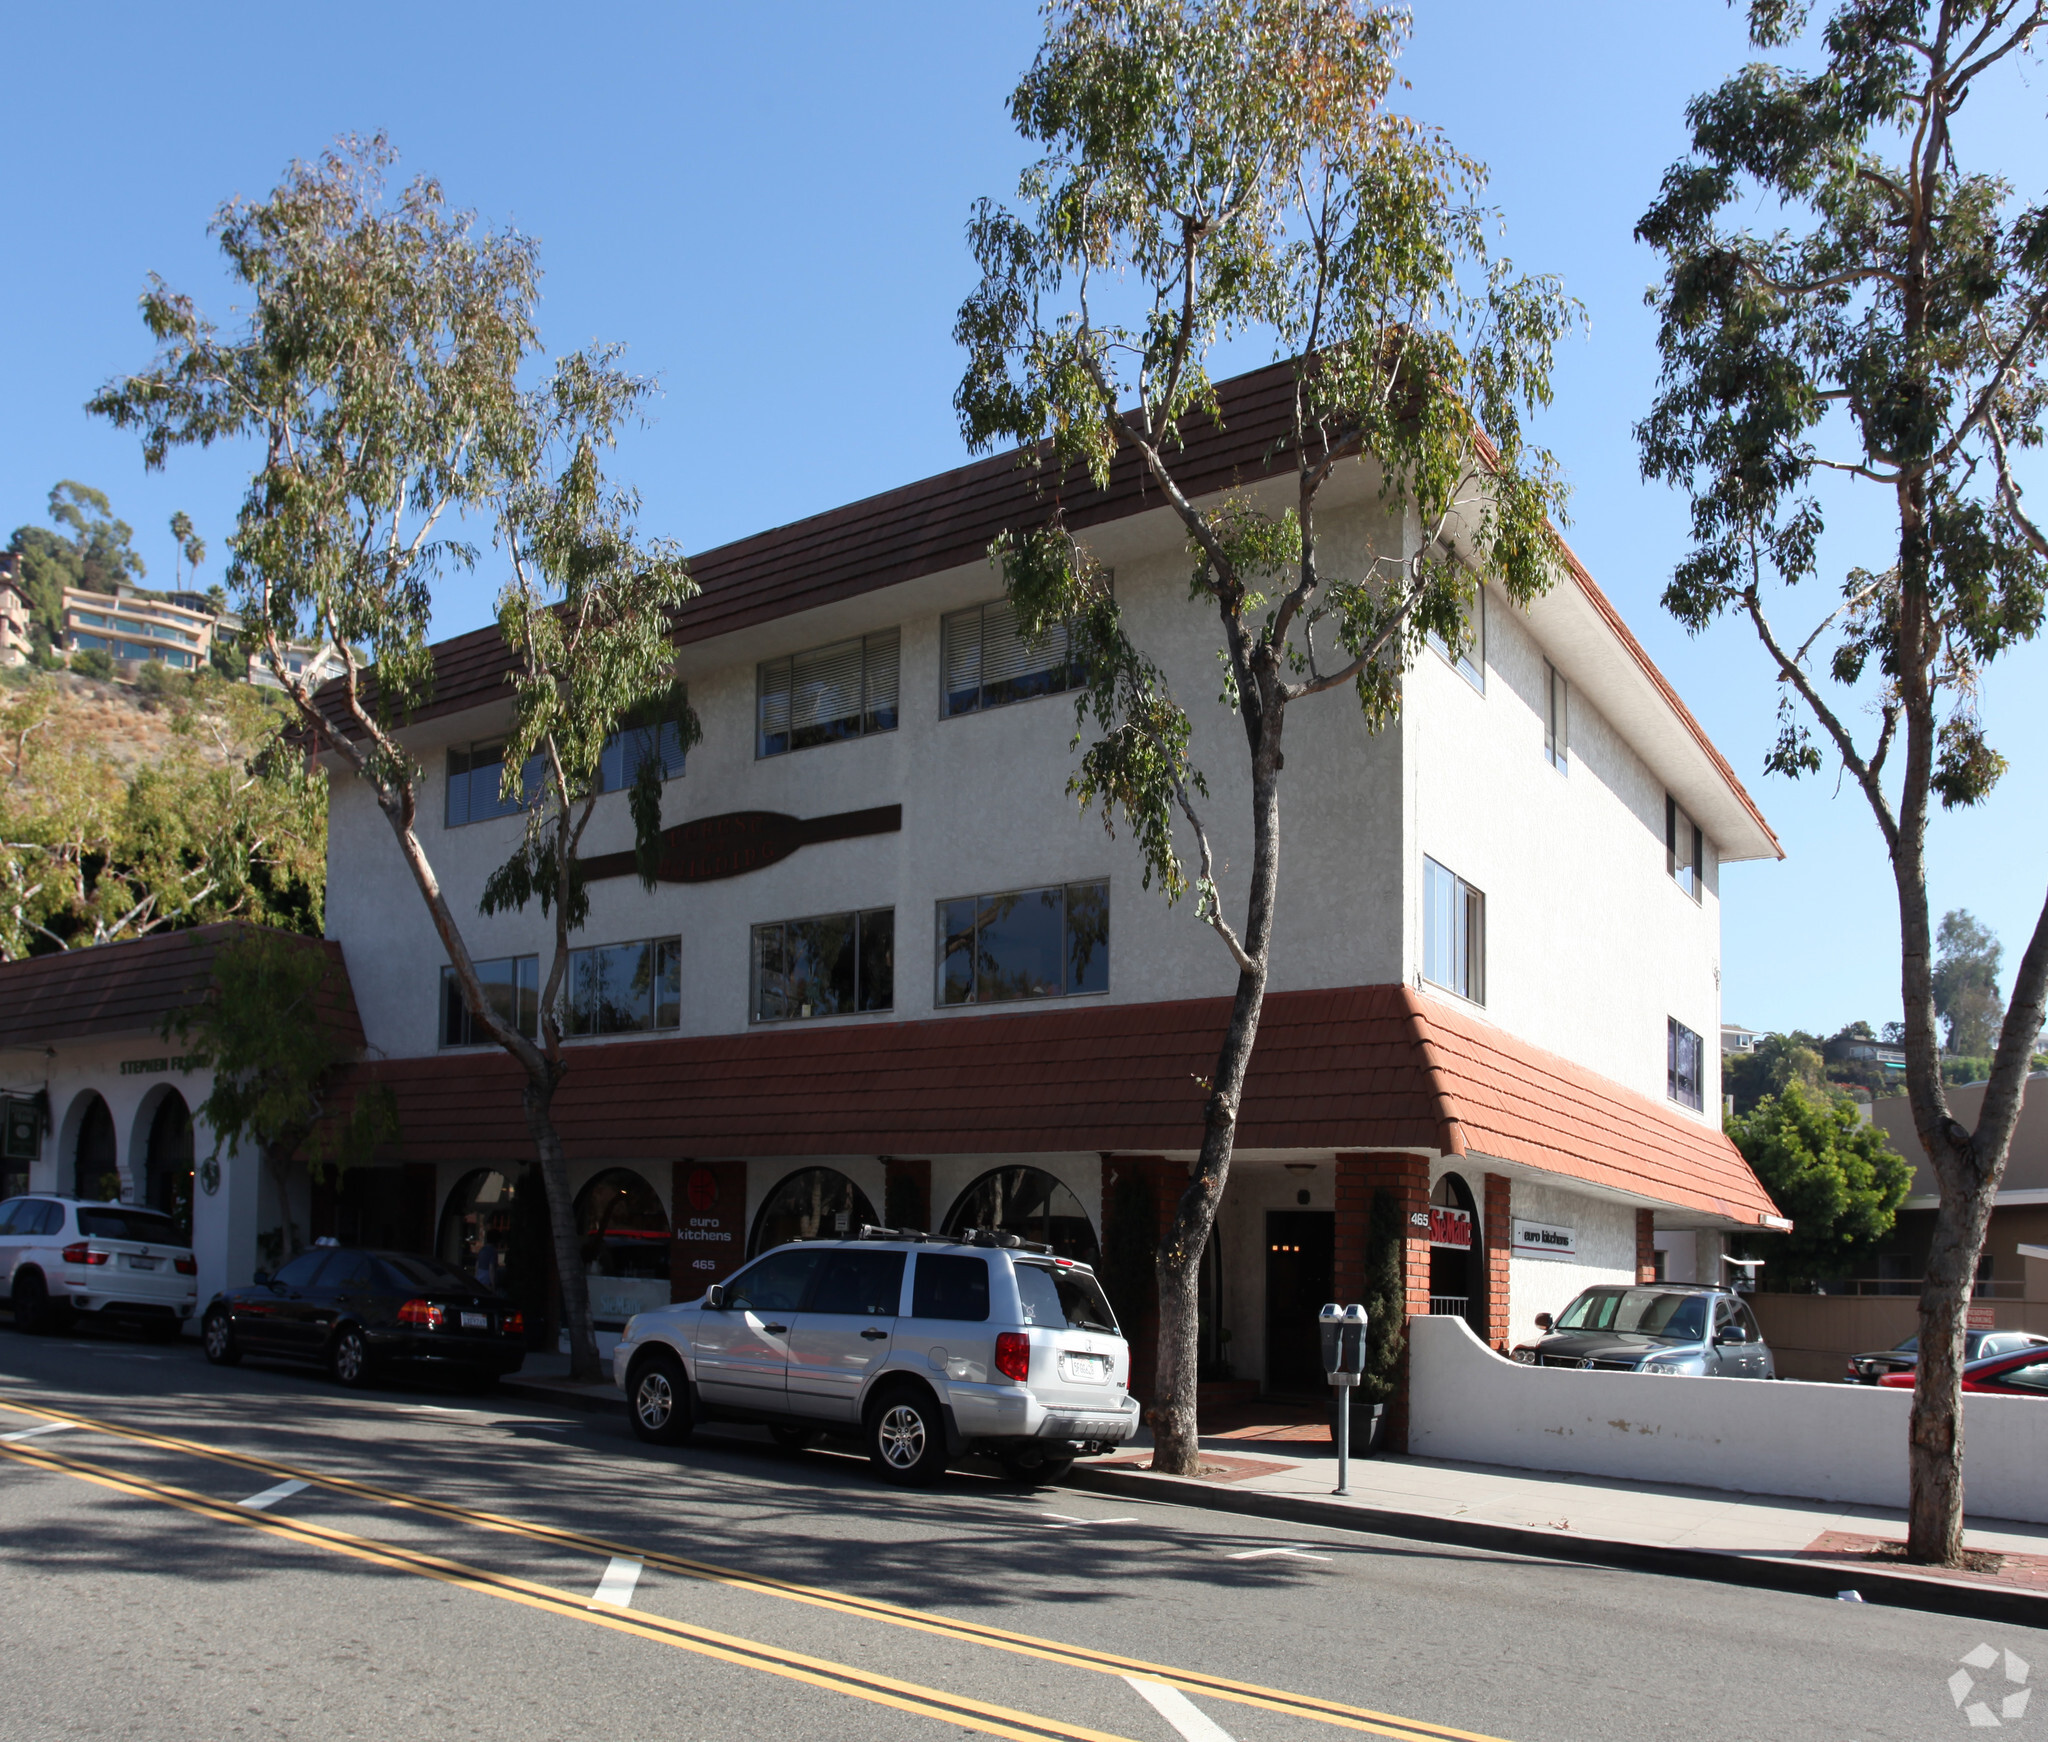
(1366, 1067)
(128, 988)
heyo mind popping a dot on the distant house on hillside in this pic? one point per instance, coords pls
(315, 662)
(15, 646)
(132, 628)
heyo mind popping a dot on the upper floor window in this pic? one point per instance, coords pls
(1682, 1064)
(1471, 662)
(511, 987)
(476, 772)
(1556, 720)
(1028, 943)
(830, 966)
(625, 988)
(988, 660)
(1453, 932)
(1685, 849)
(847, 690)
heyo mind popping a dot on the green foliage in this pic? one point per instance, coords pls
(1778, 1061)
(93, 662)
(1835, 1174)
(1224, 169)
(1386, 1299)
(1966, 964)
(265, 1029)
(1891, 330)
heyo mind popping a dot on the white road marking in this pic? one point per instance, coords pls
(616, 1587)
(1179, 1711)
(1067, 1518)
(48, 1427)
(271, 1496)
(1259, 1554)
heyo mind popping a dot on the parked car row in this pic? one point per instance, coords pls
(1873, 1368)
(65, 1261)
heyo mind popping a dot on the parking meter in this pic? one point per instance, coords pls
(1343, 1331)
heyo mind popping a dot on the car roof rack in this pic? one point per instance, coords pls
(910, 1236)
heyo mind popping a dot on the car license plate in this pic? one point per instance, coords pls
(476, 1321)
(1089, 1367)
(130, 1262)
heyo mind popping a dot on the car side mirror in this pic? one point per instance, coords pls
(1544, 1321)
(262, 1279)
(714, 1297)
(1731, 1334)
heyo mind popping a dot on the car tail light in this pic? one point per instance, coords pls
(1013, 1355)
(78, 1252)
(514, 1323)
(423, 1314)
(186, 1266)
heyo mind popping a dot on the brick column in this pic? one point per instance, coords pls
(1499, 1236)
(906, 1193)
(1646, 1245)
(1407, 1178)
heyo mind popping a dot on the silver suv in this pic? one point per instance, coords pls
(927, 1348)
(63, 1260)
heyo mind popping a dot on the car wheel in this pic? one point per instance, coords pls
(790, 1437)
(1033, 1468)
(658, 1399)
(32, 1310)
(906, 1437)
(217, 1339)
(348, 1357)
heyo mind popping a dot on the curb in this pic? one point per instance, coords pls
(1720, 1566)
(607, 1402)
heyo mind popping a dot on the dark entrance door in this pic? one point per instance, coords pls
(1301, 1250)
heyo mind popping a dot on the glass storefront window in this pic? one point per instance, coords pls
(817, 1201)
(623, 1233)
(1033, 1205)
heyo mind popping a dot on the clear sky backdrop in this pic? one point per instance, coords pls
(767, 205)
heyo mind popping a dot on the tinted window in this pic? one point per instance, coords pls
(1748, 1322)
(357, 1270)
(8, 1211)
(114, 1222)
(869, 1284)
(948, 1287)
(299, 1272)
(1643, 1311)
(47, 1218)
(1053, 1295)
(409, 1271)
(2034, 1378)
(775, 1285)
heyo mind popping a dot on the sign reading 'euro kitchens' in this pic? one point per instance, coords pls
(1541, 1240)
(709, 848)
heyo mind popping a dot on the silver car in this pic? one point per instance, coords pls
(926, 1348)
(1654, 1327)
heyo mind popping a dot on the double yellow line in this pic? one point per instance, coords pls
(774, 1660)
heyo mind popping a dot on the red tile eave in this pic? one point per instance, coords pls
(1365, 1067)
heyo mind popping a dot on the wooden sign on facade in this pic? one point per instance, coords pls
(730, 845)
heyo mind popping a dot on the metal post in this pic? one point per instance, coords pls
(1344, 1439)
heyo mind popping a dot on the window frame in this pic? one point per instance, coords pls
(1471, 664)
(857, 915)
(1467, 903)
(1673, 1081)
(448, 984)
(940, 953)
(671, 940)
(1072, 678)
(1557, 730)
(530, 776)
(862, 716)
(1690, 874)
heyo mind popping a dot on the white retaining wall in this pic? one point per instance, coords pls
(1843, 1443)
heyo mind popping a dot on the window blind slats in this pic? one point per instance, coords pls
(963, 660)
(883, 659)
(825, 687)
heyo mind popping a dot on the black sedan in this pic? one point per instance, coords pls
(1870, 1368)
(354, 1312)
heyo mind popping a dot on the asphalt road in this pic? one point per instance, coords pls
(479, 1566)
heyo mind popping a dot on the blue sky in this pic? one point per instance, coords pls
(767, 205)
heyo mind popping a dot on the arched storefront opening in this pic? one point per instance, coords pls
(475, 1236)
(1033, 1205)
(167, 1161)
(1457, 1265)
(623, 1233)
(94, 1172)
(812, 1202)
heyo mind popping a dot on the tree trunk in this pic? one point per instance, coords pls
(1935, 1519)
(1176, 1442)
(584, 1366)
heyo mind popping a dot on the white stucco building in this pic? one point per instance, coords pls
(892, 973)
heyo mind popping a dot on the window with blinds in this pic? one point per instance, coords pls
(475, 792)
(988, 662)
(847, 690)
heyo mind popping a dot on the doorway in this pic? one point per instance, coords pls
(1301, 1253)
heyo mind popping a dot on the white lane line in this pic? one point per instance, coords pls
(616, 1587)
(1179, 1711)
(1259, 1554)
(48, 1427)
(271, 1496)
(1067, 1518)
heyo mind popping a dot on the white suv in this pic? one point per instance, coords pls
(61, 1258)
(927, 1348)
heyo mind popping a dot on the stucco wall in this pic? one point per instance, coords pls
(1606, 1238)
(1842, 1443)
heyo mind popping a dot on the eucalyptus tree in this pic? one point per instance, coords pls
(381, 367)
(1217, 170)
(1880, 349)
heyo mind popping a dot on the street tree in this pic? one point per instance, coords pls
(1776, 1061)
(1213, 170)
(98, 555)
(1965, 982)
(381, 369)
(1880, 351)
(1834, 1173)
